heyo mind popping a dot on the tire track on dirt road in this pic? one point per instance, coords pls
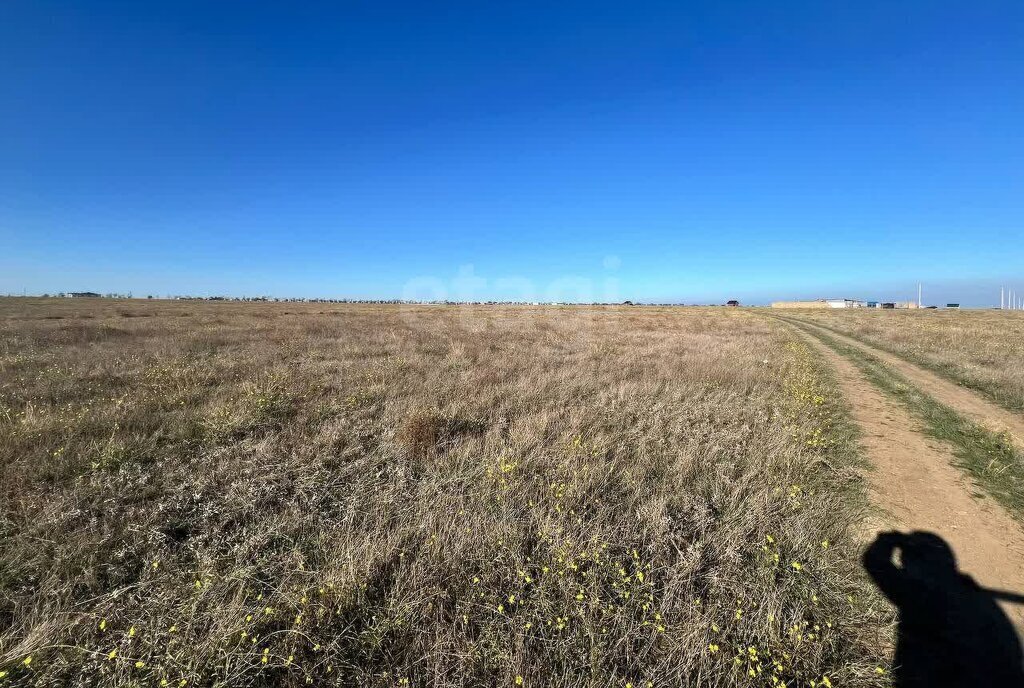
(963, 400)
(916, 487)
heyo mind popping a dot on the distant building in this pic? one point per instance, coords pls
(734, 303)
(952, 305)
(889, 305)
(83, 295)
(820, 303)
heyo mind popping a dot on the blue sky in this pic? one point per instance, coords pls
(672, 151)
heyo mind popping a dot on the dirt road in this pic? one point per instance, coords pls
(963, 400)
(916, 486)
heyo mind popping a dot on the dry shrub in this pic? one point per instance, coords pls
(425, 433)
(421, 433)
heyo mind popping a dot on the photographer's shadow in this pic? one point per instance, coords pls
(951, 631)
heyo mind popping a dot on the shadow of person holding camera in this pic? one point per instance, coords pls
(951, 631)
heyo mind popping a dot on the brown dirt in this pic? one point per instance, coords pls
(963, 400)
(916, 487)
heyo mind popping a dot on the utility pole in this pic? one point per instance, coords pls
(1000, 298)
(918, 294)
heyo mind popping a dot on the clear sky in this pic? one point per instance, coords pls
(680, 151)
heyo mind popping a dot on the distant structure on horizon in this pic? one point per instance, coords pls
(844, 303)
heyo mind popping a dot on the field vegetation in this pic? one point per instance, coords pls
(216, 494)
(980, 349)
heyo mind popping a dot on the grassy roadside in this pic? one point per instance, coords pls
(989, 457)
(990, 391)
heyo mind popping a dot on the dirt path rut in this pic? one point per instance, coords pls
(917, 488)
(964, 401)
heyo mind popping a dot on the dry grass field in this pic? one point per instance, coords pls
(979, 349)
(217, 494)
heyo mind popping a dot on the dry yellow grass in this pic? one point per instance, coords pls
(283, 494)
(979, 349)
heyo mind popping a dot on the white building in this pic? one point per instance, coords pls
(844, 303)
